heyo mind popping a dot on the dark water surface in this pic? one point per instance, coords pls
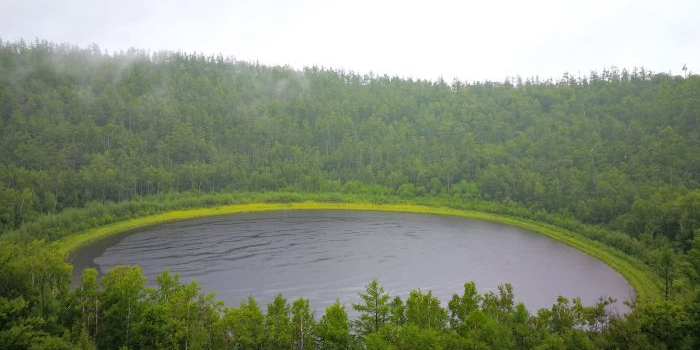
(324, 255)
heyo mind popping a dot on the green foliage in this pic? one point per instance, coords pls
(33, 293)
(88, 302)
(245, 325)
(52, 343)
(374, 309)
(397, 311)
(122, 302)
(303, 325)
(423, 310)
(694, 259)
(84, 342)
(88, 139)
(17, 328)
(80, 128)
(118, 311)
(460, 307)
(666, 324)
(179, 315)
(334, 328)
(278, 324)
(413, 337)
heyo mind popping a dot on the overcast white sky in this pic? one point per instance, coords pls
(467, 40)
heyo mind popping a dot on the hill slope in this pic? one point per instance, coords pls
(76, 125)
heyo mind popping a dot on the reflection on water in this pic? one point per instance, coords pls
(324, 255)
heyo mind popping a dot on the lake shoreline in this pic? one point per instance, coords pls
(644, 282)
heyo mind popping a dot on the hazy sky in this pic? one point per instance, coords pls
(468, 40)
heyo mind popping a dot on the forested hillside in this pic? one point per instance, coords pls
(89, 138)
(77, 125)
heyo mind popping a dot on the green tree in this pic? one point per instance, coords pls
(397, 311)
(122, 303)
(500, 306)
(278, 325)
(156, 328)
(88, 296)
(664, 262)
(461, 306)
(17, 330)
(52, 343)
(334, 328)
(245, 325)
(414, 337)
(666, 325)
(303, 325)
(423, 310)
(374, 309)
(694, 258)
(193, 315)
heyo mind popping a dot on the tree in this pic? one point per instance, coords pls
(334, 328)
(47, 275)
(157, 328)
(397, 311)
(16, 206)
(303, 325)
(666, 325)
(500, 306)
(423, 310)
(461, 306)
(122, 302)
(245, 325)
(694, 258)
(52, 343)
(374, 311)
(88, 298)
(192, 311)
(33, 293)
(17, 331)
(278, 325)
(664, 262)
(413, 337)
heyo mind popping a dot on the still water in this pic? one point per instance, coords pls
(324, 255)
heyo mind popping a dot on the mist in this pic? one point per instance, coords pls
(469, 41)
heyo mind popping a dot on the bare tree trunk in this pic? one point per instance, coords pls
(96, 329)
(128, 322)
(302, 332)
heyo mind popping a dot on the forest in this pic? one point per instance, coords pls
(89, 138)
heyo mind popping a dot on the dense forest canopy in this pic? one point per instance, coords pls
(88, 138)
(76, 125)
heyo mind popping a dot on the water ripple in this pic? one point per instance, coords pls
(329, 255)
